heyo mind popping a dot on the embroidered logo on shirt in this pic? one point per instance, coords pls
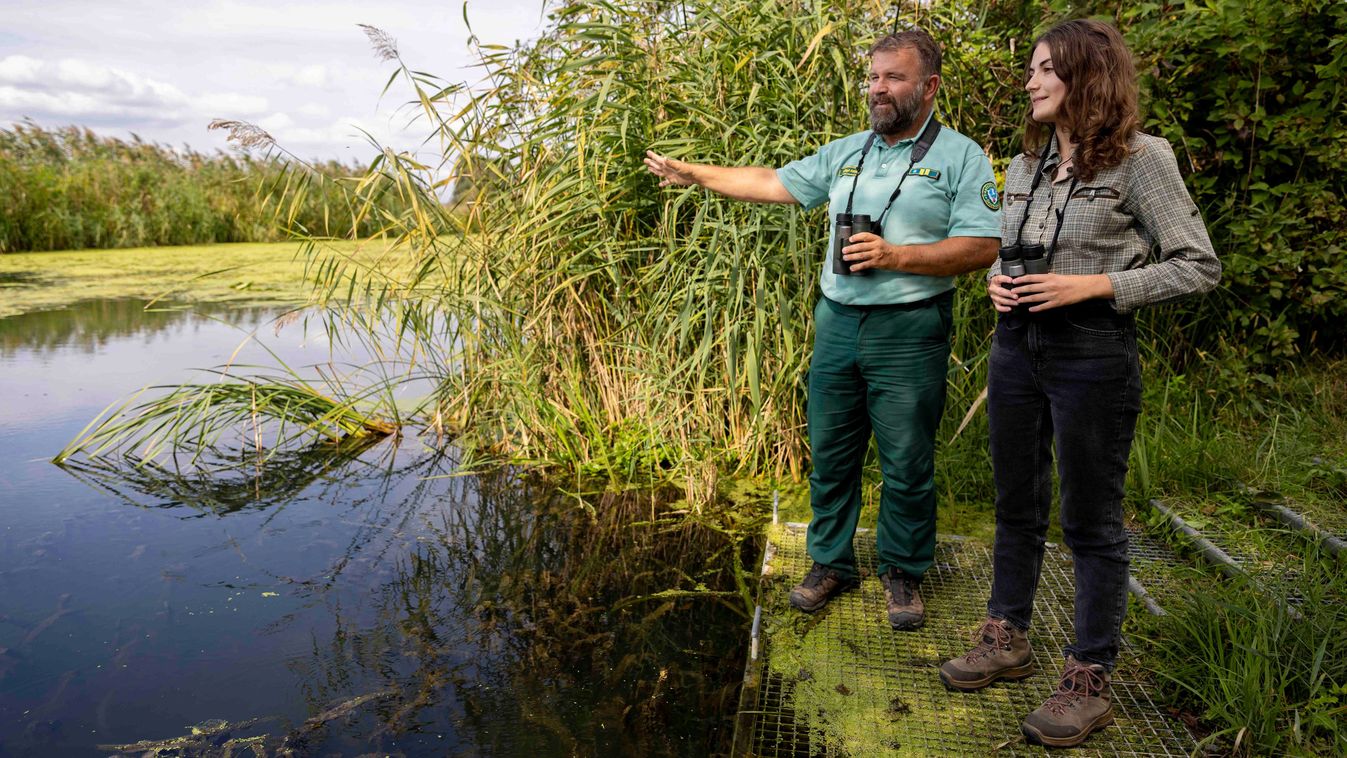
(848, 171)
(990, 198)
(929, 173)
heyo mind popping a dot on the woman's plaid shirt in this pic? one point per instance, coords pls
(1134, 222)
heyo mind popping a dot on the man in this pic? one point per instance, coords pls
(881, 345)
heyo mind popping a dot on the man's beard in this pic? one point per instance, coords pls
(900, 117)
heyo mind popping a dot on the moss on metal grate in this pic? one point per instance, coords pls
(842, 683)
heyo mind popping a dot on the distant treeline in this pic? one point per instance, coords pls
(68, 188)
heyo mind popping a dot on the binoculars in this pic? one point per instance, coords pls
(847, 225)
(1018, 260)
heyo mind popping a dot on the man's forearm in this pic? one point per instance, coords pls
(948, 257)
(755, 184)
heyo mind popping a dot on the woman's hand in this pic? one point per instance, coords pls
(1042, 292)
(1003, 299)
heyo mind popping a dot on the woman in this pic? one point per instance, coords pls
(1098, 196)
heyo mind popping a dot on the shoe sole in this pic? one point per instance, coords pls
(1033, 736)
(819, 605)
(1011, 674)
(809, 608)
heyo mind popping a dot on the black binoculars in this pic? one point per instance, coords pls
(847, 225)
(1018, 260)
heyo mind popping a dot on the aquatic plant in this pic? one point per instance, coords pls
(1267, 679)
(595, 322)
(269, 413)
(585, 319)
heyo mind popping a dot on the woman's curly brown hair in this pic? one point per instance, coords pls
(1100, 108)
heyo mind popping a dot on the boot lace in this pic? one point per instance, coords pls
(815, 576)
(997, 633)
(901, 587)
(1078, 681)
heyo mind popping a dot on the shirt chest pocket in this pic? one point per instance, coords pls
(927, 206)
(1095, 213)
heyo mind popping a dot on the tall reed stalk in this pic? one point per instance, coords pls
(599, 322)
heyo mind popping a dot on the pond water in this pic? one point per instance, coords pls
(366, 600)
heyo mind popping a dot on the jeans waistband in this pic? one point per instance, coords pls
(909, 306)
(1082, 310)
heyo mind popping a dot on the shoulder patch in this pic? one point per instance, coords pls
(990, 197)
(848, 171)
(930, 173)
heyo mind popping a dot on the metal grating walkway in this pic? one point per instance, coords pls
(842, 683)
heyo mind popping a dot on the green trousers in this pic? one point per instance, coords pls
(879, 369)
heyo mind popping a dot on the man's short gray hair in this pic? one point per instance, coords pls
(913, 39)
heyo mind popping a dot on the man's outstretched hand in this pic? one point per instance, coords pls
(671, 172)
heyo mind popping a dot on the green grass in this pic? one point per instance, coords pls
(1264, 682)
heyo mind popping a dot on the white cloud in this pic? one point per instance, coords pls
(19, 69)
(74, 87)
(66, 104)
(230, 104)
(276, 122)
(301, 69)
(310, 76)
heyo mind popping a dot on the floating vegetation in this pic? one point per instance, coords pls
(214, 738)
(209, 738)
(198, 414)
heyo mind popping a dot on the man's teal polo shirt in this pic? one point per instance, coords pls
(950, 193)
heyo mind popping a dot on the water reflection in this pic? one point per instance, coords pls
(221, 490)
(503, 620)
(337, 600)
(90, 325)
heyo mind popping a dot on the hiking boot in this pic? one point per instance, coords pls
(1000, 651)
(819, 586)
(902, 597)
(1081, 704)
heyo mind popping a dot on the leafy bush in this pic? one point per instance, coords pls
(1251, 96)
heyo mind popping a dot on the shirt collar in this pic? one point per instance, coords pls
(1054, 160)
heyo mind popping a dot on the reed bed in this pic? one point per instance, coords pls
(574, 315)
(68, 189)
(599, 323)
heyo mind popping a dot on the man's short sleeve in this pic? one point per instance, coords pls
(976, 209)
(808, 180)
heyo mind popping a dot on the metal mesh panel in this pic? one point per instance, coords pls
(1268, 562)
(1332, 522)
(841, 682)
(1152, 565)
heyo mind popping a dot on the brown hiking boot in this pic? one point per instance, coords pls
(902, 596)
(1000, 651)
(1081, 704)
(819, 586)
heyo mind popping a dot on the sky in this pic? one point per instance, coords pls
(302, 70)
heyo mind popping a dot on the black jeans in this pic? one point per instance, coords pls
(1068, 379)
